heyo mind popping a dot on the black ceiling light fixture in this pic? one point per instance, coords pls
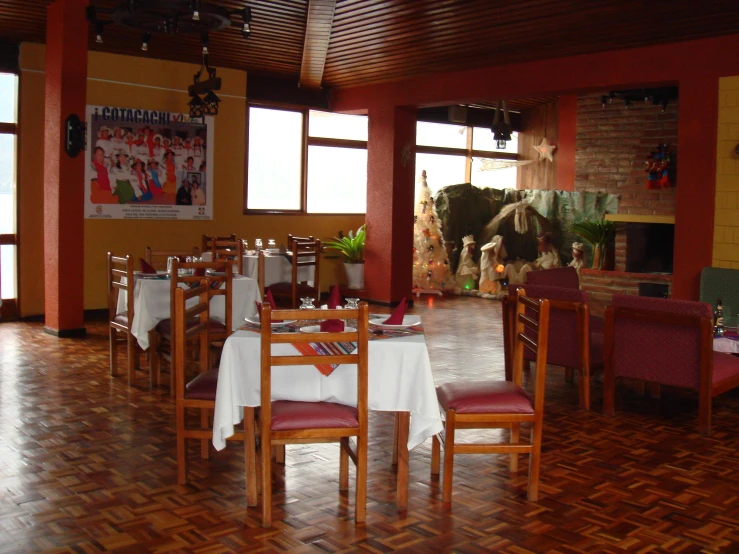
(661, 96)
(174, 17)
(501, 129)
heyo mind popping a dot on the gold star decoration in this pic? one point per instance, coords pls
(545, 150)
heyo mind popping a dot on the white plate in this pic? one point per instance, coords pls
(255, 321)
(408, 321)
(317, 329)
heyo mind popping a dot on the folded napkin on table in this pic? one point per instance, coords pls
(146, 267)
(271, 301)
(396, 317)
(333, 325)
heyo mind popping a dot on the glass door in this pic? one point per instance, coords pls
(8, 210)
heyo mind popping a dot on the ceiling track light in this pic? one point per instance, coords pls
(196, 10)
(204, 39)
(145, 42)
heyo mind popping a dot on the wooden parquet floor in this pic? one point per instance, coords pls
(87, 465)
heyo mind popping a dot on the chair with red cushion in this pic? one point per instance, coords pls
(572, 343)
(219, 276)
(499, 404)
(303, 253)
(191, 327)
(121, 280)
(291, 422)
(668, 342)
(565, 277)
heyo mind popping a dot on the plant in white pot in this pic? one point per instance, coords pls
(352, 248)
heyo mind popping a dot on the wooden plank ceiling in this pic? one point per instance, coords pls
(381, 40)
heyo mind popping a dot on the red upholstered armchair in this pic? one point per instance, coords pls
(565, 277)
(572, 343)
(669, 342)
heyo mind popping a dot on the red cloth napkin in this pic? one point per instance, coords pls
(199, 272)
(333, 325)
(396, 317)
(271, 301)
(146, 267)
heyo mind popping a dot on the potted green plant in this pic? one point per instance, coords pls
(351, 248)
(599, 235)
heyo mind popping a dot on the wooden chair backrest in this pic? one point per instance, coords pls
(190, 324)
(120, 278)
(158, 258)
(229, 250)
(305, 253)
(290, 239)
(224, 275)
(358, 356)
(260, 274)
(533, 314)
(207, 241)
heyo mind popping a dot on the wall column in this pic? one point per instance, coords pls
(566, 147)
(390, 196)
(696, 183)
(64, 177)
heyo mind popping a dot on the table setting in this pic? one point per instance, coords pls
(400, 377)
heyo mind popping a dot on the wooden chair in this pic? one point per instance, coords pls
(120, 279)
(288, 422)
(499, 404)
(667, 342)
(572, 345)
(229, 250)
(220, 283)
(290, 239)
(191, 326)
(158, 258)
(208, 240)
(302, 254)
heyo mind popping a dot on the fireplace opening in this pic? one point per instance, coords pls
(649, 247)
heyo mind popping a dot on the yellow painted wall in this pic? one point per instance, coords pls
(726, 226)
(132, 237)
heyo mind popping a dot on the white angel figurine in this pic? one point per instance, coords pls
(467, 271)
(578, 257)
(491, 265)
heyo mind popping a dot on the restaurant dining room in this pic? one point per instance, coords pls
(369, 275)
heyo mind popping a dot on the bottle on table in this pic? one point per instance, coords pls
(718, 319)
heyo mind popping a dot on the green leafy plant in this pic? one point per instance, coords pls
(598, 234)
(350, 246)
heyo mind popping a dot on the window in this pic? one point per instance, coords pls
(305, 161)
(8, 120)
(453, 154)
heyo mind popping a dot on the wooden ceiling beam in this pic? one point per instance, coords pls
(317, 36)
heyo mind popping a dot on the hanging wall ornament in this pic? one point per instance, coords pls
(658, 167)
(545, 150)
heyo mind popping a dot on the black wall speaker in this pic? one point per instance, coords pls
(75, 133)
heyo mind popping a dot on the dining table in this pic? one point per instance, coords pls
(399, 381)
(151, 303)
(278, 267)
(728, 343)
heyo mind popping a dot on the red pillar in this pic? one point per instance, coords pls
(696, 183)
(390, 196)
(566, 141)
(64, 177)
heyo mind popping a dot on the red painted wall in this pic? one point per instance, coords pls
(64, 177)
(694, 66)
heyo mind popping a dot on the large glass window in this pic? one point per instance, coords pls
(321, 169)
(275, 159)
(8, 129)
(441, 135)
(442, 170)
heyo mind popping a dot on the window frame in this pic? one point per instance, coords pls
(307, 141)
(467, 152)
(10, 306)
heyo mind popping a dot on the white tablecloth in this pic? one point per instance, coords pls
(277, 269)
(151, 305)
(400, 379)
(722, 344)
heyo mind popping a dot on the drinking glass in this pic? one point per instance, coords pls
(307, 304)
(245, 245)
(271, 245)
(352, 303)
(169, 265)
(258, 244)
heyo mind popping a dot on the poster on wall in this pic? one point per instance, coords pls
(145, 164)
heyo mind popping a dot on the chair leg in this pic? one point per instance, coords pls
(569, 375)
(266, 482)
(204, 443)
(360, 510)
(395, 441)
(343, 464)
(155, 375)
(181, 452)
(131, 353)
(534, 461)
(609, 393)
(279, 453)
(446, 494)
(704, 411)
(250, 456)
(515, 435)
(435, 455)
(585, 389)
(113, 336)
